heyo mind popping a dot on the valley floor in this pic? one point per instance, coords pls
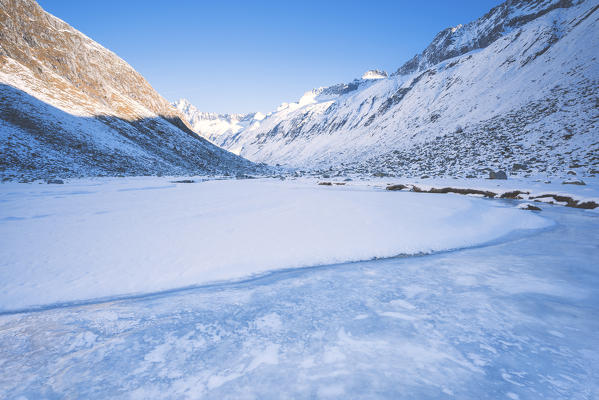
(506, 306)
(101, 238)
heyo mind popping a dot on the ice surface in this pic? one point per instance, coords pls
(100, 238)
(513, 320)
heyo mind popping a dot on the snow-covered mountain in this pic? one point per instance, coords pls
(517, 89)
(374, 74)
(220, 129)
(70, 107)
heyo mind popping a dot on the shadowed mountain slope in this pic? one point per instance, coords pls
(70, 107)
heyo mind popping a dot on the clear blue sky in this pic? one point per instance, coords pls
(241, 56)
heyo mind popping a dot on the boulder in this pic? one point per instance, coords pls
(518, 167)
(497, 175)
(397, 187)
(184, 181)
(573, 182)
(528, 206)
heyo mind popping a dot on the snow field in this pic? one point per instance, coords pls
(100, 238)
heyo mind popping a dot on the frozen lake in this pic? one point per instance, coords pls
(113, 237)
(517, 319)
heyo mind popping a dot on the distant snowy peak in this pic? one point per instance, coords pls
(455, 28)
(374, 74)
(461, 39)
(222, 129)
(187, 109)
(218, 128)
(215, 127)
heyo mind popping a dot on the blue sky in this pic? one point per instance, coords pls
(230, 56)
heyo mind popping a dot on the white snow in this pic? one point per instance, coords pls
(98, 238)
(482, 89)
(374, 74)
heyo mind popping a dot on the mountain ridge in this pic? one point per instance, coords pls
(500, 19)
(528, 98)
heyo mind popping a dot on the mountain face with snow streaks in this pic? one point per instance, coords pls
(70, 107)
(516, 89)
(461, 39)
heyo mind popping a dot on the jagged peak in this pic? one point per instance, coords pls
(188, 109)
(456, 28)
(375, 74)
(460, 39)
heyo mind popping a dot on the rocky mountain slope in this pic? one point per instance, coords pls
(517, 89)
(70, 107)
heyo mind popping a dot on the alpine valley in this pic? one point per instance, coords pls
(424, 233)
(516, 90)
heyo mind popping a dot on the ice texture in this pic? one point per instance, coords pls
(511, 320)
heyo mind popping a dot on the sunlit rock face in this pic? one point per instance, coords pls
(374, 74)
(71, 107)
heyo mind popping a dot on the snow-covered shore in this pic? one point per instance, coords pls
(99, 238)
(539, 190)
